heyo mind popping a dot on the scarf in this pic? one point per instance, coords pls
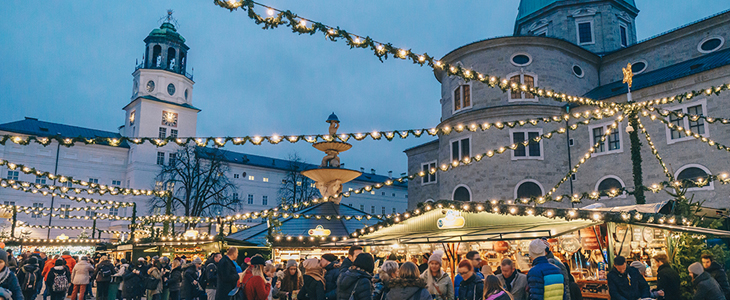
(312, 268)
(508, 280)
(4, 274)
(432, 283)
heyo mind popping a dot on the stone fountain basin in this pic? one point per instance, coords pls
(325, 175)
(336, 146)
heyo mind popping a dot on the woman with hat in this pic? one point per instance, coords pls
(355, 283)
(254, 284)
(438, 282)
(314, 282)
(291, 280)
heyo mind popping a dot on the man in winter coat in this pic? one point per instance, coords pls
(29, 277)
(668, 282)
(514, 281)
(80, 278)
(12, 261)
(191, 280)
(103, 277)
(70, 261)
(330, 276)
(211, 274)
(706, 288)
(50, 263)
(471, 287)
(545, 281)
(132, 284)
(556, 262)
(352, 253)
(355, 283)
(625, 282)
(717, 272)
(227, 274)
(476, 262)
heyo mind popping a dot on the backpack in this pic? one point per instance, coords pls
(30, 281)
(106, 272)
(60, 282)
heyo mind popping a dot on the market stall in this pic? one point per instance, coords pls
(77, 247)
(189, 247)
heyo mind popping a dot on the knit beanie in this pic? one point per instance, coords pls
(696, 268)
(329, 257)
(365, 262)
(258, 260)
(197, 261)
(33, 261)
(639, 266)
(537, 248)
(4, 256)
(60, 262)
(437, 256)
(291, 263)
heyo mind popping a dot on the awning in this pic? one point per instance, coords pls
(690, 229)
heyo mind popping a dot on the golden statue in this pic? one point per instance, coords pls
(628, 75)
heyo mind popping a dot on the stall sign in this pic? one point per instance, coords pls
(188, 250)
(125, 247)
(453, 219)
(319, 231)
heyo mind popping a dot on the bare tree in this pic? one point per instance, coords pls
(296, 187)
(199, 184)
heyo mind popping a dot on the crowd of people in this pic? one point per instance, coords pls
(352, 277)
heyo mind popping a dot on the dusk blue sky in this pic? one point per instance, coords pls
(71, 62)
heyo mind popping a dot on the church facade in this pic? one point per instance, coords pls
(578, 47)
(161, 106)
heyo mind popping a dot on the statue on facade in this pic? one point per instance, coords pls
(334, 124)
(159, 61)
(172, 64)
(330, 189)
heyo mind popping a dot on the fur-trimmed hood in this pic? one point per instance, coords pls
(406, 282)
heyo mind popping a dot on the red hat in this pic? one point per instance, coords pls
(247, 260)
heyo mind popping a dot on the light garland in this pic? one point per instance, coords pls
(29, 188)
(681, 97)
(52, 241)
(694, 118)
(61, 178)
(62, 189)
(37, 209)
(71, 228)
(689, 133)
(654, 150)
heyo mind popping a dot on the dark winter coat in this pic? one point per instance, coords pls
(52, 274)
(28, 269)
(330, 278)
(346, 264)
(471, 289)
(190, 290)
(717, 272)
(11, 284)
(175, 281)
(99, 277)
(545, 280)
(312, 290)
(407, 289)
(132, 283)
(706, 288)
(354, 280)
(669, 282)
(211, 274)
(227, 278)
(620, 288)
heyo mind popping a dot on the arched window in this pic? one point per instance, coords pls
(170, 56)
(182, 62)
(156, 52)
(462, 193)
(520, 79)
(528, 189)
(610, 183)
(694, 173)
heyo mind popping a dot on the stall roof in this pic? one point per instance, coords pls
(691, 229)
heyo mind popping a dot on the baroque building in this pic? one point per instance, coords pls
(161, 105)
(578, 47)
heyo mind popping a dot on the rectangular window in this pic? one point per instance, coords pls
(114, 211)
(163, 132)
(698, 126)
(372, 209)
(116, 182)
(527, 80)
(235, 176)
(585, 33)
(362, 207)
(462, 97)
(266, 179)
(94, 180)
(265, 200)
(250, 177)
(37, 214)
(235, 196)
(67, 184)
(612, 144)
(533, 150)
(382, 210)
(426, 168)
(460, 149)
(393, 209)
(40, 180)
(171, 160)
(382, 193)
(250, 198)
(173, 133)
(89, 213)
(160, 158)
(13, 175)
(65, 211)
(695, 127)
(624, 35)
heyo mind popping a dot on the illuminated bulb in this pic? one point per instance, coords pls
(270, 12)
(357, 40)
(421, 58)
(303, 23)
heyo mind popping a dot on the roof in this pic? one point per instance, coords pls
(153, 98)
(166, 31)
(32, 126)
(683, 69)
(294, 227)
(528, 7)
(683, 26)
(282, 164)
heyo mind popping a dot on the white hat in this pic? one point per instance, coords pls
(696, 268)
(537, 248)
(437, 255)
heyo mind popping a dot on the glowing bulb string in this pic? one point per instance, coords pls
(5, 183)
(30, 188)
(37, 209)
(63, 179)
(274, 139)
(689, 133)
(71, 228)
(691, 117)
(654, 150)
(301, 25)
(681, 97)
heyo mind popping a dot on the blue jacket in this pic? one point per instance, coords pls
(620, 288)
(12, 285)
(471, 289)
(458, 279)
(355, 283)
(330, 278)
(545, 280)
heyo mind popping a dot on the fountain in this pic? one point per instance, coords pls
(330, 177)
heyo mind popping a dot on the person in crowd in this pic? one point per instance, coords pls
(438, 282)
(270, 274)
(47, 268)
(191, 280)
(381, 281)
(174, 283)
(291, 280)
(154, 281)
(717, 272)
(133, 281)
(471, 286)
(314, 282)
(211, 274)
(80, 278)
(12, 261)
(408, 285)
(668, 282)
(57, 280)
(119, 277)
(706, 287)
(544, 280)
(254, 283)
(355, 283)
(476, 261)
(352, 253)
(70, 264)
(563, 269)
(493, 289)
(165, 268)
(227, 274)
(625, 282)
(330, 275)
(514, 282)
(29, 278)
(424, 266)
(103, 276)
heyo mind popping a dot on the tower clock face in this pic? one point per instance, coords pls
(169, 118)
(150, 86)
(171, 89)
